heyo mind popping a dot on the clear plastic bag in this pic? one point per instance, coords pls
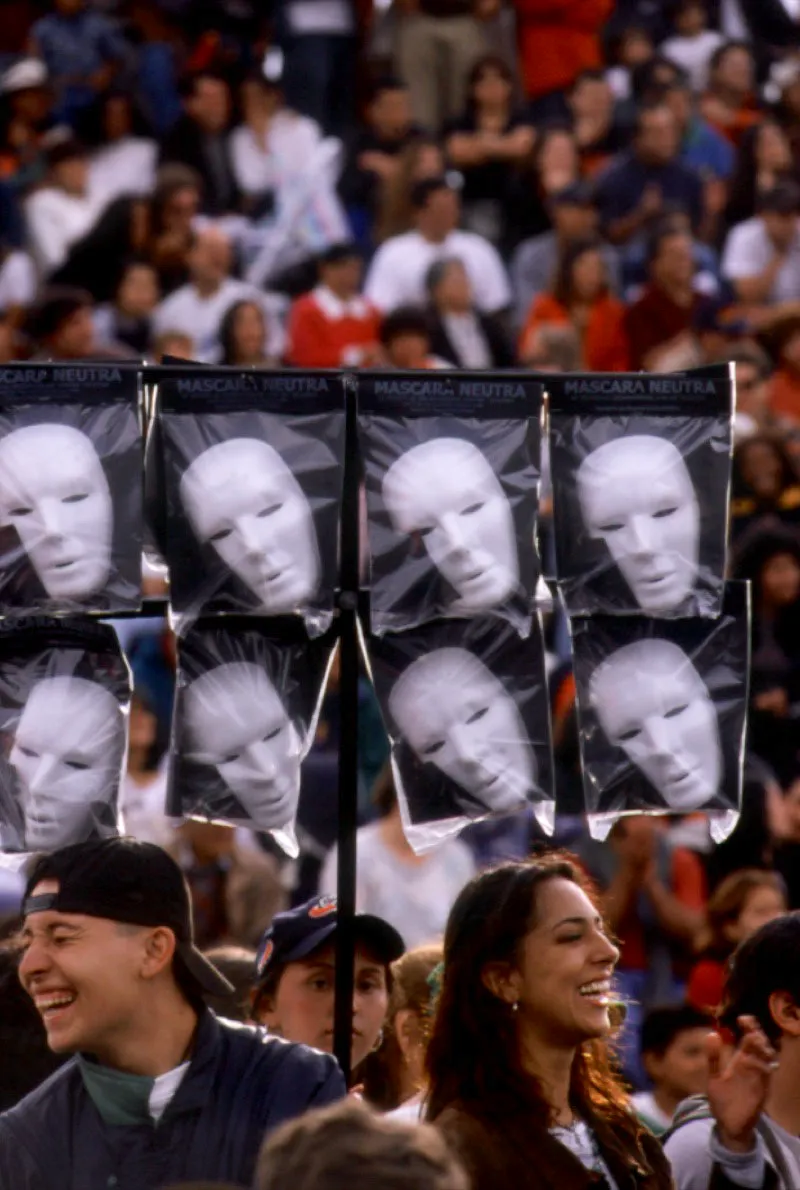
(65, 691)
(244, 491)
(641, 469)
(452, 469)
(662, 713)
(71, 511)
(466, 707)
(247, 700)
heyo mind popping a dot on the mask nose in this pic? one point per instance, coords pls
(454, 538)
(252, 543)
(50, 520)
(261, 762)
(658, 738)
(466, 746)
(639, 538)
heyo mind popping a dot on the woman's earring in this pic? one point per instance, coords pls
(515, 1006)
(378, 1041)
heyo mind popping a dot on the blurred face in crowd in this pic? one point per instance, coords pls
(74, 337)
(762, 905)
(751, 389)
(780, 228)
(761, 467)
(84, 975)
(562, 983)
(636, 48)
(679, 101)
(62, 511)
(259, 101)
(72, 175)
(440, 214)
(454, 292)
(301, 1009)
(210, 104)
(588, 276)
(657, 138)
(682, 1070)
(343, 277)
(142, 726)
(249, 332)
(31, 106)
(408, 349)
(734, 76)
(210, 259)
(180, 209)
(574, 222)
(491, 88)
(673, 265)
(67, 754)
(117, 118)
(780, 580)
(590, 97)
(653, 705)
(691, 19)
(390, 114)
(558, 160)
(137, 295)
(773, 151)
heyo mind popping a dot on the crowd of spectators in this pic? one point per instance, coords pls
(441, 184)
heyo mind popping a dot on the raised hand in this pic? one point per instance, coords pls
(738, 1087)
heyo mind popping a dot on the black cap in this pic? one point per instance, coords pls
(299, 932)
(578, 194)
(336, 253)
(126, 881)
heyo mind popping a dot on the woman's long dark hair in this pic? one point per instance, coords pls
(227, 330)
(473, 1055)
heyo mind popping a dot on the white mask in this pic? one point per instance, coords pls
(446, 492)
(652, 703)
(67, 753)
(242, 499)
(637, 496)
(54, 493)
(236, 722)
(458, 716)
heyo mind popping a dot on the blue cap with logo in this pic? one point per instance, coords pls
(298, 932)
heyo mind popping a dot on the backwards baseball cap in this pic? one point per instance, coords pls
(126, 881)
(299, 932)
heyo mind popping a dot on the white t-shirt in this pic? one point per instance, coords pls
(17, 280)
(199, 317)
(264, 166)
(580, 1141)
(693, 55)
(127, 166)
(397, 273)
(143, 809)
(164, 1090)
(413, 897)
(748, 251)
(57, 220)
(645, 1104)
(409, 1112)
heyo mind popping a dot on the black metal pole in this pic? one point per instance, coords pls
(348, 745)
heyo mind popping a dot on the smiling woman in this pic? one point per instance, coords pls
(519, 1075)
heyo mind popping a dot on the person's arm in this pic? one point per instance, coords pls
(679, 909)
(754, 290)
(46, 234)
(466, 149)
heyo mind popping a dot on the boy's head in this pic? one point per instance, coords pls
(673, 1048)
(764, 981)
(405, 337)
(691, 17)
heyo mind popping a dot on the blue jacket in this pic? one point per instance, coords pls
(240, 1085)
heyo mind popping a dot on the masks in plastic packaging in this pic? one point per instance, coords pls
(247, 701)
(662, 710)
(641, 469)
(451, 465)
(64, 698)
(466, 708)
(244, 491)
(70, 489)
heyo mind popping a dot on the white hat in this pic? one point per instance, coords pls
(23, 76)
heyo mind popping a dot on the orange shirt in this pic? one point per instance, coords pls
(688, 885)
(605, 343)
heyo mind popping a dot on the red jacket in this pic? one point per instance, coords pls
(557, 40)
(326, 333)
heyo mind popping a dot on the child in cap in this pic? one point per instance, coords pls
(296, 973)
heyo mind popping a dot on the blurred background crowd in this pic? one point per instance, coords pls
(481, 184)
